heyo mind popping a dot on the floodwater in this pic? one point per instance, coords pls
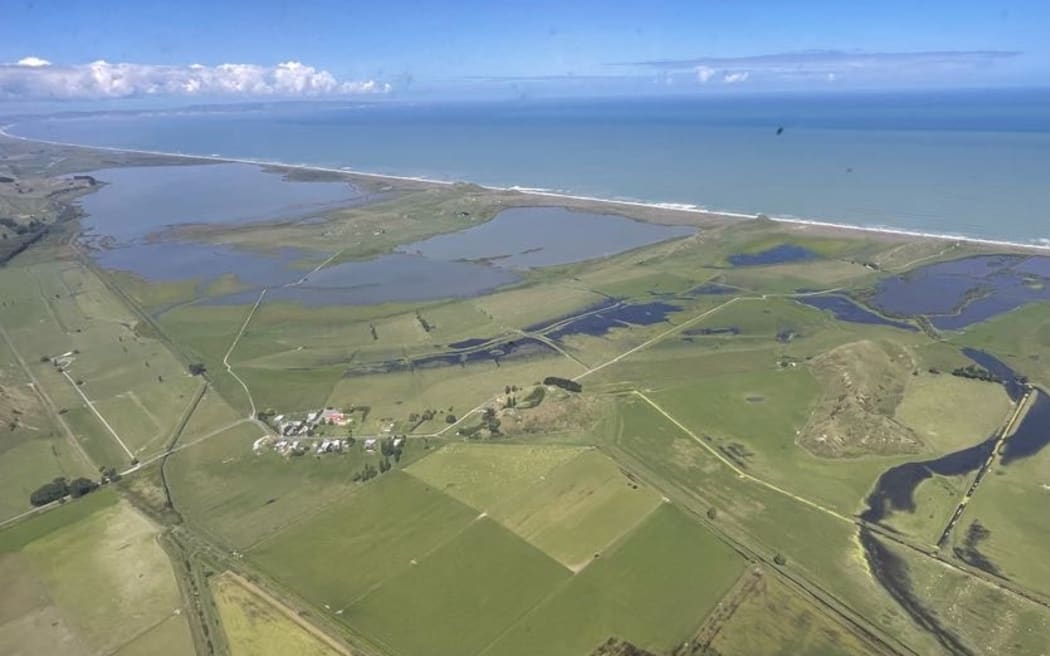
(513, 349)
(526, 237)
(599, 323)
(781, 254)
(845, 309)
(895, 488)
(960, 293)
(1032, 435)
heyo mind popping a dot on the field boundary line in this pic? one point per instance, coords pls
(49, 404)
(1018, 591)
(144, 632)
(217, 431)
(229, 352)
(740, 472)
(98, 414)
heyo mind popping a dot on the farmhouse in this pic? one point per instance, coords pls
(336, 417)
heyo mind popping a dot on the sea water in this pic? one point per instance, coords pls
(963, 163)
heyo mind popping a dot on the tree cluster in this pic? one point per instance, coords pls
(389, 450)
(564, 383)
(976, 373)
(60, 488)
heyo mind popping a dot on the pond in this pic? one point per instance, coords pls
(781, 254)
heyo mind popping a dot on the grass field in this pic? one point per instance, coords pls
(486, 475)
(89, 577)
(256, 627)
(134, 381)
(986, 619)
(661, 450)
(579, 510)
(33, 448)
(772, 620)
(240, 497)
(1021, 338)
(654, 590)
(1010, 505)
(364, 539)
(569, 502)
(458, 599)
(951, 413)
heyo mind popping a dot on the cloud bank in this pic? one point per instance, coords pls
(829, 65)
(36, 78)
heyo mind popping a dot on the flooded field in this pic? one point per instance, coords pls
(960, 293)
(845, 309)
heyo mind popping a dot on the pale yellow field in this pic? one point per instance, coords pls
(256, 627)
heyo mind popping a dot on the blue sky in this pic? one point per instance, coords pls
(400, 48)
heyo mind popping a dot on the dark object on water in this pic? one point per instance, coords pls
(780, 130)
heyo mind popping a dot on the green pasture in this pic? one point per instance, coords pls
(653, 590)
(488, 475)
(1011, 506)
(89, 577)
(461, 597)
(341, 553)
(579, 510)
(773, 620)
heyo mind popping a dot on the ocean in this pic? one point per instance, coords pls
(973, 164)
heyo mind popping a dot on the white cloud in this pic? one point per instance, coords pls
(33, 62)
(33, 77)
(704, 73)
(735, 78)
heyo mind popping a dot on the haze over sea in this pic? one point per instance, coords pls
(962, 163)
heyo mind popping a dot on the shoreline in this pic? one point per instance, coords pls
(548, 193)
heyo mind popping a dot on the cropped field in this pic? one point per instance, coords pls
(256, 627)
(364, 539)
(89, 576)
(458, 599)
(654, 590)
